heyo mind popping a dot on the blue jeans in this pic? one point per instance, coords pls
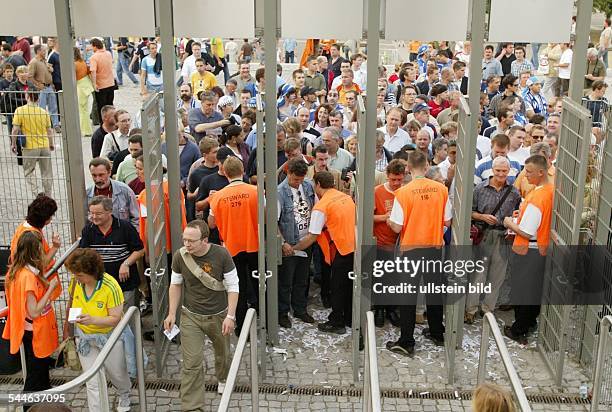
(122, 66)
(535, 49)
(289, 57)
(604, 56)
(48, 101)
(154, 88)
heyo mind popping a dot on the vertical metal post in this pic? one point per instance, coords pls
(75, 180)
(365, 184)
(484, 348)
(142, 393)
(261, 254)
(367, 394)
(22, 357)
(600, 360)
(272, 237)
(166, 31)
(101, 377)
(254, 368)
(579, 59)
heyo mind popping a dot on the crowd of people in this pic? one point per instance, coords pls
(316, 145)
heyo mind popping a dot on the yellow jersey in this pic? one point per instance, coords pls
(106, 295)
(34, 122)
(201, 82)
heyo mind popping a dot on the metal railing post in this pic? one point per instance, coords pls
(24, 372)
(600, 360)
(254, 368)
(101, 376)
(373, 389)
(490, 324)
(142, 393)
(484, 349)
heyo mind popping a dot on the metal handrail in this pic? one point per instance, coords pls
(249, 329)
(96, 368)
(371, 384)
(490, 324)
(605, 322)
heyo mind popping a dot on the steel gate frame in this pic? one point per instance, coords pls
(156, 225)
(572, 162)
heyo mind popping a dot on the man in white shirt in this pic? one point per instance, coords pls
(395, 137)
(360, 73)
(189, 66)
(517, 152)
(565, 67)
(116, 141)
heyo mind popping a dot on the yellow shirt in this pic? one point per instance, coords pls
(216, 45)
(33, 122)
(106, 295)
(200, 82)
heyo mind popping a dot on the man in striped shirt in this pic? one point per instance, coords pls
(118, 243)
(500, 146)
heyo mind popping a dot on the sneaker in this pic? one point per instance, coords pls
(305, 317)
(438, 341)
(124, 404)
(331, 328)
(420, 319)
(397, 347)
(284, 321)
(220, 388)
(521, 339)
(468, 318)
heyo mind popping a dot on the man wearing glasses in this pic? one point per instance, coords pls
(117, 242)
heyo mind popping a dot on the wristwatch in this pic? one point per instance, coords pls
(231, 317)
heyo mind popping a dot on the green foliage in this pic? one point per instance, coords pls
(604, 6)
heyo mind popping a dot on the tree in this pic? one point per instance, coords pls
(604, 6)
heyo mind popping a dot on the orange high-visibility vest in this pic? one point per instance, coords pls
(45, 335)
(339, 210)
(542, 198)
(235, 210)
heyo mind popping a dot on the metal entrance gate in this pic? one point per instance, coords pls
(461, 192)
(572, 162)
(156, 225)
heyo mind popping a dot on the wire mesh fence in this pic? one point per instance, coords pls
(33, 159)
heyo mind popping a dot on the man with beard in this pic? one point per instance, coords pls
(186, 99)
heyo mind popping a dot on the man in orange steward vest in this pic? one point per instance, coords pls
(233, 210)
(420, 212)
(384, 196)
(531, 240)
(332, 225)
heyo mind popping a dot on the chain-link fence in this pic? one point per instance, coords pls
(33, 159)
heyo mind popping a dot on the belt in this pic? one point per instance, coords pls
(210, 315)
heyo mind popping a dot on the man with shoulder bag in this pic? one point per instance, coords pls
(494, 199)
(209, 309)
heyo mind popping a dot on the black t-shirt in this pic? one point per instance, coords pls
(211, 182)
(114, 248)
(506, 63)
(128, 52)
(335, 67)
(54, 60)
(97, 139)
(251, 169)
(198, 174)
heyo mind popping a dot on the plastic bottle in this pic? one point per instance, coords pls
(584, 390)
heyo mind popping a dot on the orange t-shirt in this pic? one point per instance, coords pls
(542, 198)
(339, 210)
(342, 92)
(45, 335)
(142, 207)
(235, 210)
(101, 63)
(383, 203)
(423, 202)
(25, 227)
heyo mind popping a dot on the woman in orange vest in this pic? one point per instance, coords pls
(31, 318)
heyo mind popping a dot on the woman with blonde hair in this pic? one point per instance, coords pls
(492, 398)
(31, 318)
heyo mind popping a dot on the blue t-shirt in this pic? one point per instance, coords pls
(153, 79)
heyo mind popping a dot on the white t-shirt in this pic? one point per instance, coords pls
(483, 144)
(566, 57)
(394, 143)
(153, 79)
(520, 155)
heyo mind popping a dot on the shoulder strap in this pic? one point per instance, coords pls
(502, 200)
(206, 279)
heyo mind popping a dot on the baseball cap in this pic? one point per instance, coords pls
(223, 153)
(533, 80)
(419, 107)
(306, 90)
(422, 49)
